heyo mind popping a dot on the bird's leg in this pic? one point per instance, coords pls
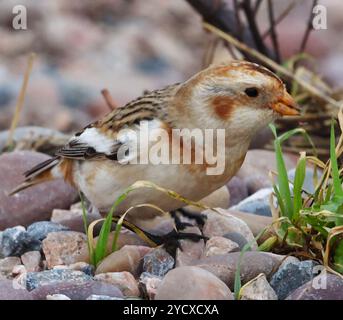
(199, 218)
(179, 225)
(170, 241)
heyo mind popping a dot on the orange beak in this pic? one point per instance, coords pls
(286, 106)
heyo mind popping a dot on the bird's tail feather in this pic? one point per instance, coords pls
(39, 173)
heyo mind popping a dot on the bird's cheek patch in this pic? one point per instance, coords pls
(223, 106)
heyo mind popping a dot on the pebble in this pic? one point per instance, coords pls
(7, 265)
(79, 266)
(39, 230)
(222, 223)
(128, 258)
(57, 297)
(65, 247)
(126, 237)
(291, 276)
(256, 166)
(257, 203)
(158, 262)
(9, 291)
(149, 284)
(32, 261)
(237, 238)
(102, 297)
(287, 260)
(125, 281)
(15, 241)
(255, 222)
(252, 264)
(238, 190)
(219, 245)
(219, 198)
(32, 204)
(72, 219)
(192, 283)
(308, 185)
(19, 270)
(38, 279)
(326, 286)
(191, 250)
(33, 134)
(258, 289)
(76, 290)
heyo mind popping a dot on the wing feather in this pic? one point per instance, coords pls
(93, 143)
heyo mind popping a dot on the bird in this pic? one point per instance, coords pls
(237, 97)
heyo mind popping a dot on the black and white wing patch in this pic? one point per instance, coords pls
(90, 144)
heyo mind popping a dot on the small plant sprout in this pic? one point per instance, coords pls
(309, 225)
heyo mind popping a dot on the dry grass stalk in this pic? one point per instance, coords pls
(20, 101)
(109, 100)
(282, 16)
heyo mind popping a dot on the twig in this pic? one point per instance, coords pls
(257, 6)
(273, 31)
(236, 6)
(246, 5)
(308, 28)
(272, 64)
(109, 100)
(282, 16)
(20, 101)
(210, 51)
(218, 13)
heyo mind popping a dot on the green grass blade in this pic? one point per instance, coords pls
(268, 244)
(334, 165)
(284, 189)
(338, 257)
(285, 136)
(101, 246)
(238, 282)
(279, 200)
(328, 193)
(85, 226)
(117, 232)
(299, 179)
(116, 235)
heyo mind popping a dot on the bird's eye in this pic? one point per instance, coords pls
(251, 92)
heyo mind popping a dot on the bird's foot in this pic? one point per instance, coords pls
(171, 241)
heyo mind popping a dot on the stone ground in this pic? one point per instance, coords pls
(129, 47)
(44, 252)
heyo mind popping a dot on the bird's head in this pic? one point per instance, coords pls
(240, 96)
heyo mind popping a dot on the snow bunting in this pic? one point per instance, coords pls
(238, 98)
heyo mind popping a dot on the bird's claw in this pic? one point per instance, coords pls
(171, 241)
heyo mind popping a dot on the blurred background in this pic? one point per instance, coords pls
(126, 46)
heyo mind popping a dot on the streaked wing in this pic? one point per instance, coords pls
(93, 142)
(90, 144)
